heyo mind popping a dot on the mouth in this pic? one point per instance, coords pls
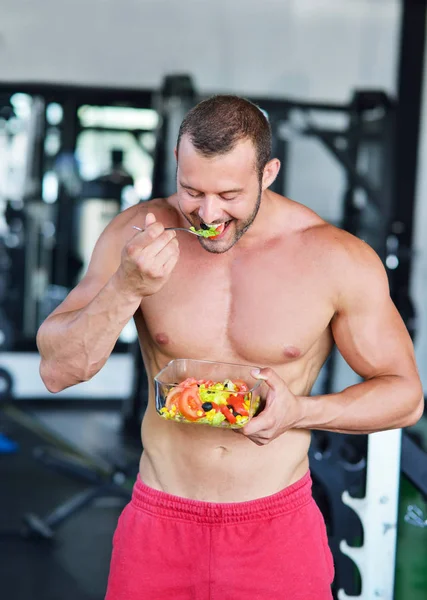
(220, 227)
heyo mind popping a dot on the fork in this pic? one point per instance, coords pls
(173, 229)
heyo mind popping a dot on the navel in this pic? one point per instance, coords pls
(292, 352)
(161, 338)
(221, 451)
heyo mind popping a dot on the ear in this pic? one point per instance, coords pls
(176, 153)
(271, 170)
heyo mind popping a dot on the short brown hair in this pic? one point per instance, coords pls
(217, 124)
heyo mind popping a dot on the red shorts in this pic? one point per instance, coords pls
(171, 548)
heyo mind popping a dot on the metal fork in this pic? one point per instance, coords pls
(174, 229)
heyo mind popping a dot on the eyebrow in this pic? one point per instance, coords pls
(233, 191)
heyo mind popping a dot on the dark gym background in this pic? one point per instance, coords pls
(91, 95)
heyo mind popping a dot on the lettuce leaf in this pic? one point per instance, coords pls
(218, 418)
(207, 233)
(215, 394)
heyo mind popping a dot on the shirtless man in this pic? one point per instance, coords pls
(217, 514)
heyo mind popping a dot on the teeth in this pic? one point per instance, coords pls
(218, 226)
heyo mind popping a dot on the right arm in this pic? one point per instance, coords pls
(76, 340)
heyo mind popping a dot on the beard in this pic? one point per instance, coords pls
(240, 228)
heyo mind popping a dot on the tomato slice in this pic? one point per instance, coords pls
(190, 404)
(237, 402)
(228, 414)
(206, 382)
(242, 386)
(173, 397)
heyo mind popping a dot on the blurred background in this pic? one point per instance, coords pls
(91, 97)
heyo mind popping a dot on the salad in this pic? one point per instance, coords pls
(207, 233)
(226, 404)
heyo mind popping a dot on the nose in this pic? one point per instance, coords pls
(210, 210)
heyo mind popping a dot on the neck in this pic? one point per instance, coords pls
(264, 223)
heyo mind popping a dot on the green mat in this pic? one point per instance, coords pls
(411, 558)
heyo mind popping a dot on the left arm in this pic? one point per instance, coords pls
(374, 341)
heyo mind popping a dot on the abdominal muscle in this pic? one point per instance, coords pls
(216, 465)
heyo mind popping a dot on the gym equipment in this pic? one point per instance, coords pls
(98, 202)
(410, 77)
(105, 479)
(377, 512)
(175, 98)
(41, 212)
(106, 484)
(338, 466)
(414, 463)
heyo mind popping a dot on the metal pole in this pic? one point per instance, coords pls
(408, 116)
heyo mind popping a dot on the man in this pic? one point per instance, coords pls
(218, 514)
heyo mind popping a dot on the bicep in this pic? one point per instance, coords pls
(367, 327)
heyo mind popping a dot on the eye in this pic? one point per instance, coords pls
(193, 194)
(227, 198)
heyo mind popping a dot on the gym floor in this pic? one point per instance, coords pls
(74, 563)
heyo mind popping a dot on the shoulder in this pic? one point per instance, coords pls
(342, 249)
(326, 241)
(343, 264)
(340, 245)
(347, 264)
(354, 270)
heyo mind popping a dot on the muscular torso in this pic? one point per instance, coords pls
(264, 306)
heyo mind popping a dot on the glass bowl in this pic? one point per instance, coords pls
(208, 393)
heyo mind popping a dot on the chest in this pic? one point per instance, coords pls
(259, 309)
